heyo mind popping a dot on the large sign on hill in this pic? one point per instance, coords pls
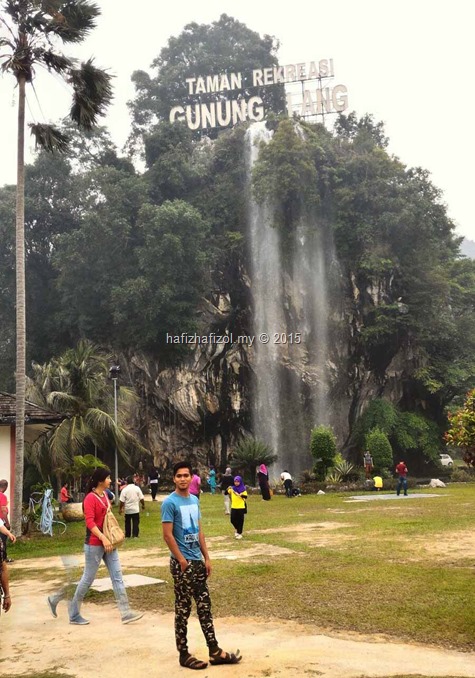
(213, 107)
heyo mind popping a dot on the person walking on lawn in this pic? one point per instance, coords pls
(131, 498)
(153, 477)
(97, 548)
(402, 471)
(190, 567)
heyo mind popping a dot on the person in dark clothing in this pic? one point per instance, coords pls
(263, 479)
(153, 477)
(227, 480)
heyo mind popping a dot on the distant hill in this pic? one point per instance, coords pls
(468, 248)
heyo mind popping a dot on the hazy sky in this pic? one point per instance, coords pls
(410, 63)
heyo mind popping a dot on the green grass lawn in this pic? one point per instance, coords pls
(399, 568)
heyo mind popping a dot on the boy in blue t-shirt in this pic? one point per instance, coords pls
(183, 534)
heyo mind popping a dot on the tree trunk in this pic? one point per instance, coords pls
(20, 314)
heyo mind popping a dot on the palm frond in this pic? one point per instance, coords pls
(65, 441)
(133, 444)
(14, 9)
(71, 21)
(50, 6)
(37, 453)
(103, 423)
(49, 138)
(53, 61)
(6, 43)
(63, 402)
(92, 94)
(34, 393)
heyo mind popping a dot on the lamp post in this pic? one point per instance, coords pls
(114, 371)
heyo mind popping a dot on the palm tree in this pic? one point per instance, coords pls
(29, 31)
(76, 384)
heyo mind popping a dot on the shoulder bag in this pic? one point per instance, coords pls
(111, 528)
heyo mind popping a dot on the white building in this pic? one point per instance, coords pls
(37, 420)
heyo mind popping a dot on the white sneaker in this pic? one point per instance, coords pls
(238, 536)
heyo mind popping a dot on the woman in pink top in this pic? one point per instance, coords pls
(195, 485)
(96, 548)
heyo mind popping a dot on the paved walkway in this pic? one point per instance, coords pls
(376, 496)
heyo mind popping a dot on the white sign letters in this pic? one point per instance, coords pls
(223, 111)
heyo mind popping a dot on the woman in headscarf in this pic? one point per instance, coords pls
(227, 480)
(237, 492)
(263, 478)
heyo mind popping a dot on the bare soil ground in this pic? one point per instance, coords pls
(33, 642)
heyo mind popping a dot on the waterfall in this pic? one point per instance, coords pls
(267, 293)
(289, 294)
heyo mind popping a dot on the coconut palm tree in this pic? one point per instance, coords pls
(76, 384)
(30, 30)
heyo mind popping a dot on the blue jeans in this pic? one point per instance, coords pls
(94, 555)
(401, 483)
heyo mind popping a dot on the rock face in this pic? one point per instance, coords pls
(200, 409)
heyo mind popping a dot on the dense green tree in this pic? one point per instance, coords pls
(323, 449)
(7, 287)
(97, 256)
(379, 447)
(163, 296)
(169, 157)
(225, 46)
(406, 431)
(380, 414)
(286, 175)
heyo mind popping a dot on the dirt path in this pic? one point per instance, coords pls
(32, 641)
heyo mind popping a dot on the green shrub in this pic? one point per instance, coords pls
(307, 476)
(323, 449)
(342, 470)
(380, 449)
(461, 475)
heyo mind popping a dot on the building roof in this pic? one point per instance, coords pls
(33, 413)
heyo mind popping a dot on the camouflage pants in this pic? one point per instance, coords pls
(191, 584)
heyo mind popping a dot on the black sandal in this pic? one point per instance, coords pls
(190, 662)
(215, 657)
